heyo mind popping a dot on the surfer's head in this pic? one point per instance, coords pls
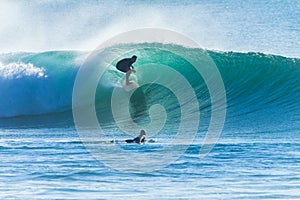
(133, 58)
(143, 132)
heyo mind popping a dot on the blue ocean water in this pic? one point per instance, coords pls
(257, 156)
(53, 163)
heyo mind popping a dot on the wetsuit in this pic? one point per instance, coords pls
(139, 139)
(125, 64)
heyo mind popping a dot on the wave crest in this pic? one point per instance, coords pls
(19, 70)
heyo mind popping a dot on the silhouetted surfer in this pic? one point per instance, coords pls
(125, 65)
(140, 139)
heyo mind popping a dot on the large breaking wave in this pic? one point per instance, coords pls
(258, 86)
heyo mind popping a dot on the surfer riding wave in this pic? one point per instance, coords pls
(125, 65)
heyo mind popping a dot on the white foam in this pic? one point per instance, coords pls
(19, 70)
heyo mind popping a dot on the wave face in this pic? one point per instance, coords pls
(261, 89)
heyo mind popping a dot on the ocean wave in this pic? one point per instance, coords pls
(40, 83)
(255, 83)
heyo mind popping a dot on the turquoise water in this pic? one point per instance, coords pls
(44, 156)
(257, 155)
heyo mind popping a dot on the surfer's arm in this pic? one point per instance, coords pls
(132, 68)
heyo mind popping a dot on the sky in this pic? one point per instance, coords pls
(238, 25)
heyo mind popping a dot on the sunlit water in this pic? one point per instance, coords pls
(53, 163)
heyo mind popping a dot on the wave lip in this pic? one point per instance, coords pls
(19, 70)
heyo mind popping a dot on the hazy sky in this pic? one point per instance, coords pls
(43, 25)
(215, 24)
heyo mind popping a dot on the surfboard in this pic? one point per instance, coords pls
(144, 141)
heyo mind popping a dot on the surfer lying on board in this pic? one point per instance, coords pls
(125, 65)
(140, 139)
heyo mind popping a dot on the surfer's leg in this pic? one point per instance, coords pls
(127, 76)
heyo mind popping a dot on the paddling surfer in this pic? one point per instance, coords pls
(139, 139)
